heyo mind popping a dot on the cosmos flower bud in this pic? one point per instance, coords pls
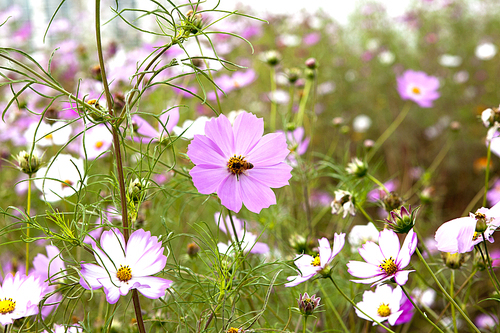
(392, 201)
(137, 190)
(51, 115)
(343, 202)
(95, 72)
(307, 304)
(119, 102)
(311, 63)
(28, 163)
(293, 74)
(272, 58)
(357, 168)
(299, 243)
(96, 115)
(401, 221)
(427, 195)
(481, 224)
(192, 250)
(453, 260)
(337, 121)
(195, 21)
(310, 74)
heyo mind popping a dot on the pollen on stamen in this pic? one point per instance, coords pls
(316, 261)
(99, 144)
(7, 305)
(384, 310)
(237, 165)
(416, 90)
(388, 266)
(124, 273)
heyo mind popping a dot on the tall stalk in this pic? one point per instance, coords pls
(28, 208)
(118, 156)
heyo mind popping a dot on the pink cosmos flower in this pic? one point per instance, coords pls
(493, 194)
(386, 260)
(238, 163)
(236, 81)
(297, 144)
(20, 295)
(418, 87)
(124, 267)
(459, 235)
(246, 238)
(309, 266)
(168, 120)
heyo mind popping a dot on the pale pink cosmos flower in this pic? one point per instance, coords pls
(167, 121)
(96, 142)
(386, 260)
(238, 163)
(125, 267)
(459, 235)
(418, 87)
(297, 144)
(310, 266)
(248, 241)
(381, 304)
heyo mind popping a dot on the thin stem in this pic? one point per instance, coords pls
(303, 102)
(487, 262)
(234, 230)
(333, 308)
(448, 297)
(118, 157)
(388, 132)
(487, 174)
(378, 182)
(453, 315)
(304, 330)
(354, 304)
(274, 105)
(420, 311)
(28, 208)
(368, 217)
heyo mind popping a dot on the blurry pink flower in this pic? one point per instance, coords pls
(125, 267)
(236, 81)
(418, 87)
(96, 142)
(297, 144)
(167, 121)
(238, 163)
(246, 238)
(379, 193)
(309, 266)
(386, 260)
(493, 194)
(459, 235)
(311, 38)
(407, 307)
(381, 304)
(486, 321)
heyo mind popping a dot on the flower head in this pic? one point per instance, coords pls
(381, 304)
(126, 266)
(386, 260)
(310, 266)
(418, 87)
(307, 304)
(28, 163)
(402, 220)
(19, 296)
(246, 238)
(344, 201)
(461, 234)
(238, 163)
(357, 168)
(96, 141)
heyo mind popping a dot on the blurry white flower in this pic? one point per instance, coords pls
(372, 44)
(62, 178)
(486, 51)
(350, 75)
(361, 234)
(47, 135)
(96, 141)
(386, 57)
(448, 60)
(326, 88)
(461, 77)
(233, 114)
(191, 127)
(487, 116)
(424, 297)
(279, 96)
(343, 202)
(361, 123)
(289, 40)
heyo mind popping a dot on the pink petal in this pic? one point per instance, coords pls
(260, 248)
(219, 130)
(90, 274)
(363, 270)
(271, 149)
(207, 179)
(202, 150)
(156, 286)
(229, 193)
(248, 130)
(408, 248)
(389, 243)
(256, 195)
(296, 280)
(169, 119)
(325, 251)
(274, 176)
(371, 253)
(144, 128)
(338, 244)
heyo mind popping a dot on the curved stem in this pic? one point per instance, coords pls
(28, 208)
(354, 304)
(448, 297)
(487, 262)
(334, 310)
(378, 182)
(487, 174)
(420, 311)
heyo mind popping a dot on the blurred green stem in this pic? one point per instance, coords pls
(448, 297)
(453, 315)
(378, 182)
(420, 311)
(354, 304)
(28, 208)
(304, 330)
(368, 217)
(487, 262)
(291, 91)
(274, 105)
(388, 132)
(487, 174)
(333, 308)
(303, 102)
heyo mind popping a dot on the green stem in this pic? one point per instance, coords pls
(304, 329)
(28, 208)
(333, 308)
(291, 92)
(487, 175)
(420, 311)
(388, 132)
(234, 230)
(354, 304)
(274, 105)
(453, 315)
(303, 102)
(448, 297)
(368, 217)
(487, 262)
(378, 182)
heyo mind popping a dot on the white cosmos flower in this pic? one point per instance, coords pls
(386, 57)
(486, 51)
(448, 60)
(19, 296)
(361, 123)
(47, 135)
(191, 127)
(62, 178)
(97, 140)
(360, 234)
(381, 305)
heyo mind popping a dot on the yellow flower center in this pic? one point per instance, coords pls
(7, 305)
(124, 273)
(48, 136)
(388, 266)
(236, 84)
(415, 90)
(99, 144)
(237, 165)
(316, 261)
(476, 235)
(66, 183)
(233, 330)
(384, 310)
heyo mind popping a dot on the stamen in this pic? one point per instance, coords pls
(48, 136)
(124, 273)
(476, 235)
(66, 183)
(237, 165)
(384, 310)
(388, 266)
(99, 144)
(7, 305)
(316, 261)
(415, 90)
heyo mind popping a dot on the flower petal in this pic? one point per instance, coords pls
(202, 150)
(325, 251)
(219, 130)
(207, 179)
(401, 277)
(389, 243)
(370, 251)
(229, 192)
(274, 176)
(255, 195)
(154, 287)
(364, 270)
(248, 130)
(408, 248)
(270, 150)
(90, 274)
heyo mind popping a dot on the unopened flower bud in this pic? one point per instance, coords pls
(119, 102)
(95, 72)
(392, 201)
(427, 195)
(453, 260)
(195, 22)
(307, 304)
(192, 250)
(481, 223)
(29, 164)
(137, 190)
(51, 115)
(357, 168)
(310, 74)
(403, 220)
(337, 121)
(272, 58)
(293, 75)
(96, 115)
(299, 243)
(345, 129)
(311, 63)
(369, 144)
(455, 126)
